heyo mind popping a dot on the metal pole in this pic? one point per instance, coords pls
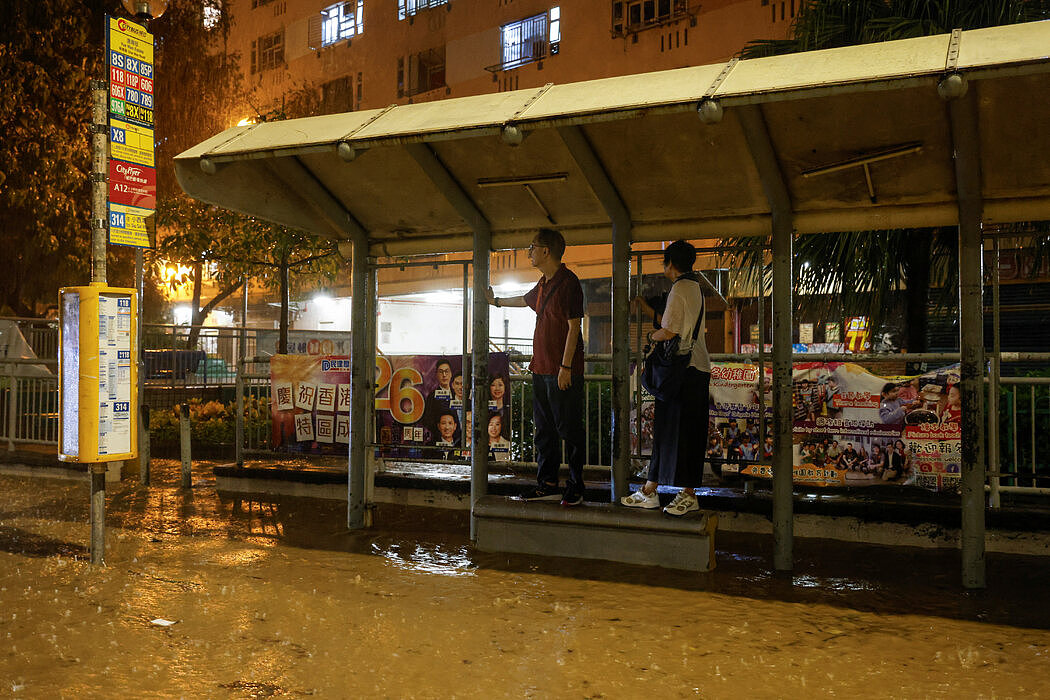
(241, 354)
(964, 126)
(12, 408)
(361, 374)
(184, 445)
(371, 318)
(775, 187)
(143, 409)
(482, 246)
(99, 232)
(994, 499)
(99, 173)
(640, 331)
(464, 360)
(605, 190)
(98, 512)
(479, 450)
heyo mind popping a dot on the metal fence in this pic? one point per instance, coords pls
(29, 402)
(1017, 436)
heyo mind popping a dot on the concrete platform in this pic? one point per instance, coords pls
(596, 531)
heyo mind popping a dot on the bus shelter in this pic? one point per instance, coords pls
(945, 130)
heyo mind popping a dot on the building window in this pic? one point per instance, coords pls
(630, 16)
(337, 96)
(409, 8)
(342, 21)
(421, 72)
(268, 52)
(530, 39)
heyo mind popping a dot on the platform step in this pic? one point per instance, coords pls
(596, 531)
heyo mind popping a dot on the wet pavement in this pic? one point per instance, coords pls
(273, 597)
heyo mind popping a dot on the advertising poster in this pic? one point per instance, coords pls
(422, 403)
(851, 427)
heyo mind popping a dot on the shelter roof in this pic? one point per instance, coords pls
(861, 136)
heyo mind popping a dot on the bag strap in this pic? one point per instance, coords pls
(696, 327)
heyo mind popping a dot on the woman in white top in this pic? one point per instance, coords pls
(680, 424)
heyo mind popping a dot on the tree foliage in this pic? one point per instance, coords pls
(47, 57)
(860, 273)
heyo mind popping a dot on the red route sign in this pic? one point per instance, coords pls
(132, 185)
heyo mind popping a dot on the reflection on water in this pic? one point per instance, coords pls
(427, 559)
(273, 597)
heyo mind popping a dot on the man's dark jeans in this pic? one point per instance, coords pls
(558, 415)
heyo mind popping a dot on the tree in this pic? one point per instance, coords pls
(234, 248)
(47, 55)
(862, 270)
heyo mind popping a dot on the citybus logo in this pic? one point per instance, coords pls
(122, 25)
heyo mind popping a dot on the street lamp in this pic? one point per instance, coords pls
(145, 9)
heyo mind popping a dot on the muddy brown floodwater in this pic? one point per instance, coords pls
(272, 597)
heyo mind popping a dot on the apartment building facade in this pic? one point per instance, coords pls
(366, 54)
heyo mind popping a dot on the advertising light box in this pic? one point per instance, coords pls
(98, 375)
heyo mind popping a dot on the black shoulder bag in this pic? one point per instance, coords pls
(664, 368)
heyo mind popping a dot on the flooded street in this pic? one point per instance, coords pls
(272, 597)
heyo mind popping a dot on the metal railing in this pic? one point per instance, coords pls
(28, 402)
(1017, 434)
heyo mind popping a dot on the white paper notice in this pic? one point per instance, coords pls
(284, 396)
(114, 376)
(342, 398)
(325, 428)
(304, 427)
(342, 429)
(305, 394)
(326, 397)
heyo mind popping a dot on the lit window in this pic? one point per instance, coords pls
(555, 25)
(524, 41)
(408, 8)
(342, 21)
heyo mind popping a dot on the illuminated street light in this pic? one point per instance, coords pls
(145, 9)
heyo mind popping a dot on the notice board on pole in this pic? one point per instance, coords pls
(98, 382)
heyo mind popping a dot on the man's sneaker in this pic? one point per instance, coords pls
(682, 504)
(572, 497)
(543, 492)
(638, 499)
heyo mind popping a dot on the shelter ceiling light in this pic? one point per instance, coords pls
(952, 86)
(512, 135)
(522, 180)
(710, 111)
(348, 151)
(865, 162)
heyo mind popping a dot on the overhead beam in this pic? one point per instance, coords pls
(602, 185)
(452, 191)
(774, 185)
(965, 139)
(301, 180)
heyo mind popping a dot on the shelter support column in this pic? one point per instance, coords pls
(466, 208)
(775, 188)
(598, 178)
(362, 374)
(298, 178)
(964, 124)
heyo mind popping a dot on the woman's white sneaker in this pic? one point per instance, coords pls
(638, 499)
(683, 503)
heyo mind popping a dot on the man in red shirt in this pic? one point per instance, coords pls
(557, 368)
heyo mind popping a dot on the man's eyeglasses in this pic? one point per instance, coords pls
(534, 246)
